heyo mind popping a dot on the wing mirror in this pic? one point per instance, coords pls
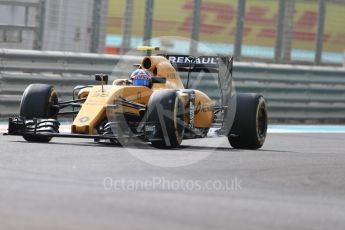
(103, 78)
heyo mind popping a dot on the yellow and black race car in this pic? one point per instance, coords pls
(153, 105)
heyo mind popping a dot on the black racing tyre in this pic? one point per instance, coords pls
(250, 124)
(37, 102)
(37, 139)
(166, 108)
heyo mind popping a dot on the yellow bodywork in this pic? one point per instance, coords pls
(93, 110)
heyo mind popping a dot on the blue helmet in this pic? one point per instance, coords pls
(141, 77)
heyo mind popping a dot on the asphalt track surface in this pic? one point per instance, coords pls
(296, 181)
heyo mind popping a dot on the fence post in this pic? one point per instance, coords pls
(288, 31)
(320, 30)
(279, 33)
(195, 27)
(241, 10)
(127, 26)
(96, 24)
(149, 9)
(38, 42)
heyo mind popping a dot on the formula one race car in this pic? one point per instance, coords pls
(153, 105)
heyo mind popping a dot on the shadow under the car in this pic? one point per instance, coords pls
(144, 145)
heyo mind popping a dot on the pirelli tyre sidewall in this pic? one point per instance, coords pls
(37, 102)
(166, 110)
(249, 129)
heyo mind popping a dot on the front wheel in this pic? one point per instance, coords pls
(38, 101)
(250, 125)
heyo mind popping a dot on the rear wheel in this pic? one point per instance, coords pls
(38, 101)
(250, 125)
(166, 109)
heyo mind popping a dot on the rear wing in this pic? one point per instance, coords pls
(186, 63)
(223, 65)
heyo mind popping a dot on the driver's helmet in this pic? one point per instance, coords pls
(141, 77)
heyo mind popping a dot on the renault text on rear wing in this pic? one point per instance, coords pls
(194, 64)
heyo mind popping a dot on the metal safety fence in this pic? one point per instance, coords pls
(274, 31)
(294, 93)
(270, 31)
(62, 25)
